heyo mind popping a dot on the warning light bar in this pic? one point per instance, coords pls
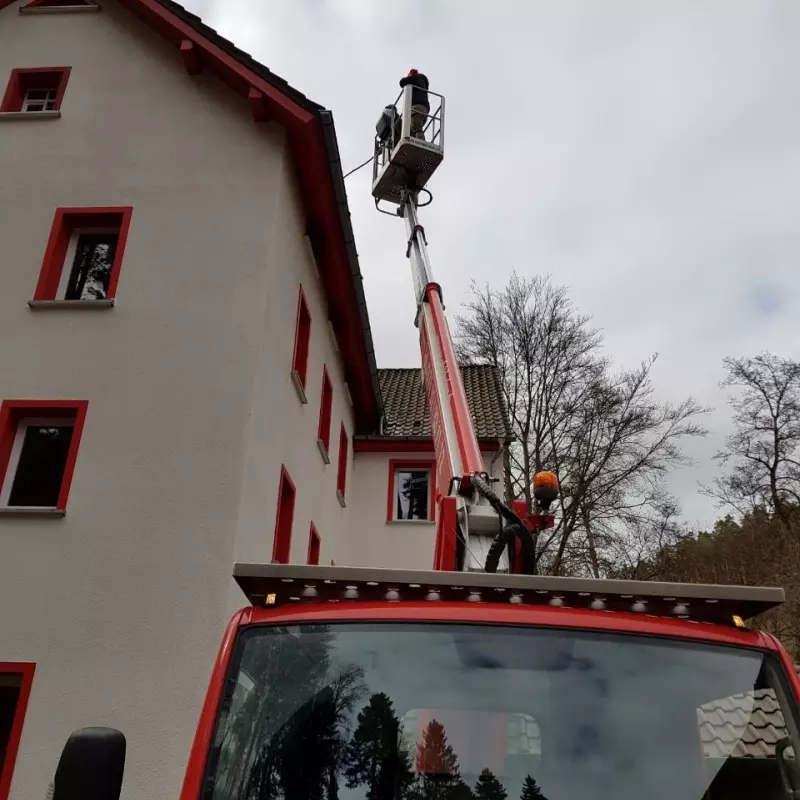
(270, 585)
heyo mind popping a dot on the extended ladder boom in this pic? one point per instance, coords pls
(469, 515)
(455, 443)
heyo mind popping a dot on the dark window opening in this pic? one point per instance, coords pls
(40, 100)
(412, 494)
(35, 90)
(91, 268)
(40, 470)
(10, 689)
(325, 406)
(301, 339)
(58, 3)
(341, 477)
(313, 545)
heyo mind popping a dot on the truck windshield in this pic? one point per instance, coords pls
(384, 711)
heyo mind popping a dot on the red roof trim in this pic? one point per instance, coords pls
(313, 171)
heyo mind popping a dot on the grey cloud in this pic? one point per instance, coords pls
(644, 154)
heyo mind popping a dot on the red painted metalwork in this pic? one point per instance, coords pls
(195, 769)
(441, 447)
(520, 508)
(444, 556)
(788, 665)
(465, 432)
(507, 614)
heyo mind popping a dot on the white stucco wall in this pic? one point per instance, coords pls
(399, 544)
(122, 603)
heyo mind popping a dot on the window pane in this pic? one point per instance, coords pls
(411, 489)
(10, 685)
(39, 100)
(404, 711)
(91, 267)
(37, 480)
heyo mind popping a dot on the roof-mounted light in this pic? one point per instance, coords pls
(273, 585)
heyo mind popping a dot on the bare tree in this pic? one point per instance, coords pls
(604, 434)
(763, 453)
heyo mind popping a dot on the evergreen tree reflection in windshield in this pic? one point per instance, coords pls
(489, 788)
(437, 764)
(376, 757)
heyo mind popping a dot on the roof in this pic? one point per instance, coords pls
(315, 152)
(406, 408)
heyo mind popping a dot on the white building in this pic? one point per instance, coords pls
(187, 376)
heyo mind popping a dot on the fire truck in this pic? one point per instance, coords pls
(478, 679)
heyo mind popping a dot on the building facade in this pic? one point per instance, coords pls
(187, 377)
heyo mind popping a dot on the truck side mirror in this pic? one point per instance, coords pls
(91, 765)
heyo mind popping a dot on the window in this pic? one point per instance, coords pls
(15, 688)
(84, 255)
(411, 490)
(32, 91)
(58, 5)
(324, 430)
(302, 335)
(341, 474)
(547, 713)
(313, 545)
(38, 449)
(39, 100)
(284, 517)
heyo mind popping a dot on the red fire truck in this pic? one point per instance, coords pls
(478, 679)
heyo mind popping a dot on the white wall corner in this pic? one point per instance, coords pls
(311, 257)
(334, 340)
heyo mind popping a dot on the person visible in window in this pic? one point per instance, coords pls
(420, 106)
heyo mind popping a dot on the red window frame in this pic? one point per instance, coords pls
(25, 670)
(314, 544)
(24, 78)
(284, 518)
(12, 411)
(411, 464)
(66, 221)
(325, 409)
(302, 338)
(341, 472)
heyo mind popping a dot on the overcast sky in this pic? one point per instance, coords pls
(645, 154)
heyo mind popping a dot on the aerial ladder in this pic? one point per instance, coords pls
(476, 530)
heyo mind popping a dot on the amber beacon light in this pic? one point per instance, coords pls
(545, 488)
